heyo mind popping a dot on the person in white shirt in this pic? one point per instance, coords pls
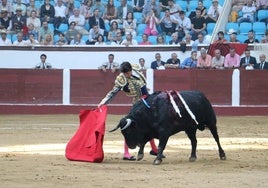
(214, 12)
(43, 64)
(129, 40)
(19, 41)
(248, 13)
(61, 13)
(184, 25)
(4, 41)
(34, 20)
(79, 21)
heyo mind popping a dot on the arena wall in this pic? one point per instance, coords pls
(68, 91)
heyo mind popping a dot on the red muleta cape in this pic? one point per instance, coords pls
(86, 144)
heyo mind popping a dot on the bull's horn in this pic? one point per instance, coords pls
(114, 129)
(127, 125)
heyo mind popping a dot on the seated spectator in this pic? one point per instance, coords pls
(110, 64)
(217, 60)
(201, 7)
(44, 30)
(142, 64)
(48, 40)
(61, 14)
(86, 9)
(248, 12)
(33, 19)
(174, 39)
(188, 40)
(184, 25)
(71, 33)
(79, 21)
(220, 38)
(151, 23)
(18, 21)
(262, 5)
(118, 40)
(130, 25)
(173, 62)
(149, 6)
(122, 11)
(251, 38)
(78, 40)
(236, 8)
(94, 33)
(145, 40)
(160, 40)
(263, 64)
(138, 5)
(31, 41)
(113, 31)
(200, 41)
(232, 59)
(19, 41)
(265, 39)
(47, 12)
(214, 12)
(233, 34)
(158, 63)
(190, 62)
(96, 19)
(62, 41)
(173, 8)
(128, 41)
(5, 21)
(100, 40)
(198, 25)
(31, 8)
(204, 60)
(168, 23)
(43, 64)
(100, 6)
(248, 61)
(7, 6)
(4, 41)
(21, 6)
(110, 12)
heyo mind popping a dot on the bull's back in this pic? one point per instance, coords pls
(200, 106)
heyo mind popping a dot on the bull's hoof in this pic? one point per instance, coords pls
(157, 162)
(140, 157)
(192, 159)
(223, 157)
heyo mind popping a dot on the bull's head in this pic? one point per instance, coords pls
(129, 131)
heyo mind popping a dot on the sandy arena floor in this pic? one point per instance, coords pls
(32, 155)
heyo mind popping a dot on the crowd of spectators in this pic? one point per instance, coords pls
(99, 22)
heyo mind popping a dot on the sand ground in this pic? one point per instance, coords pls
(32, 155)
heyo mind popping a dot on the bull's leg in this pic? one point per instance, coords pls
(214, 132)
(140, 153)
(192, 136)
(161, 146)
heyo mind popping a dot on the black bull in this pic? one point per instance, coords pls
(158, 119)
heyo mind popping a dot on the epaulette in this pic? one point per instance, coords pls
(121, 80)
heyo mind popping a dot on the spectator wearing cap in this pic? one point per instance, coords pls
(232, 59)
(5, 21)
(6, 5)
(4, 41)
(19, 6)
(18, 21)
(233, 34)
(214, 12)
(204, 60)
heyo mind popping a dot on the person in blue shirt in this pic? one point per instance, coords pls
(190, 62)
